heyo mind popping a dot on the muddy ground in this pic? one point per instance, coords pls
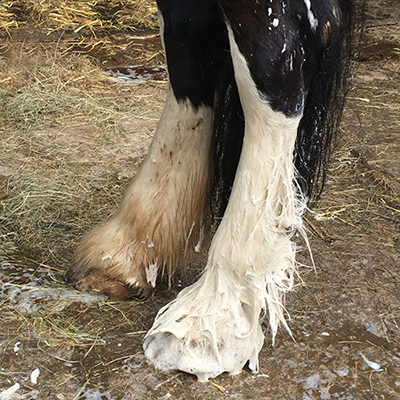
(77, 159)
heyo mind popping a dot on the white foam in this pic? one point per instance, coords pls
(16, 347)
(92, 394)
(375, 366)
(8, 393)
(34, 375)
(342, 372)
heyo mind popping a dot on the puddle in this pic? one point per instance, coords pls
(145, 48)
(132, 59)
(24, 287)
(380, 51)
(140, 73)
(23, 272)
(91, 394)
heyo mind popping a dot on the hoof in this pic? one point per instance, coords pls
(99, 284)
(205, 335)
(198, 357)
(75, 275)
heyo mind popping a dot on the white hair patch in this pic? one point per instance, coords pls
(311, 17)
(151, 274)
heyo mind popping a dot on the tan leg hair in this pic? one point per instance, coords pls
(160, 220)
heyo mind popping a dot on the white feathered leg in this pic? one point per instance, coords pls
(213, 325)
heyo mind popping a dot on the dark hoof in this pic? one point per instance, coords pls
(99, 284)
(75, 275)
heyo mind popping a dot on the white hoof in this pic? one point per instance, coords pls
(167, 352)
(205, 335)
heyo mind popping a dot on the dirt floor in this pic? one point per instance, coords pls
(77, 114)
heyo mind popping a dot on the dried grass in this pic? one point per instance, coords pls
(364, 185)
(58, 317)
(78, 15)
(66, 146)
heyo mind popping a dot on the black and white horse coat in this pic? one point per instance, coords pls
(255, 94)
